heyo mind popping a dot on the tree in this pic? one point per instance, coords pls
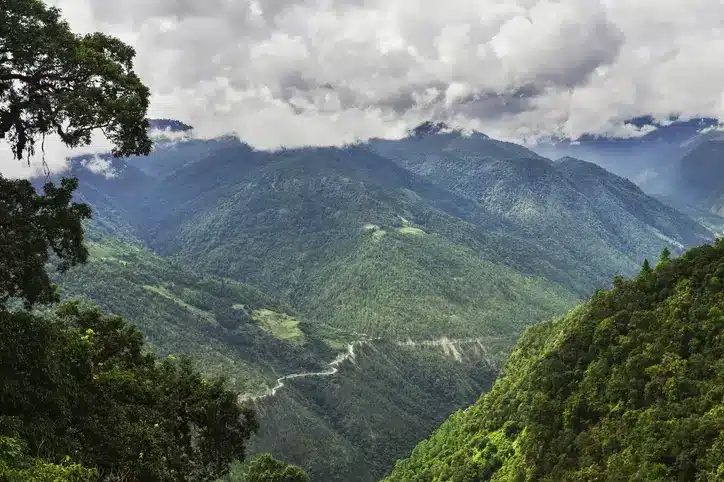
(17, 465)
(646, 268)
(265, 468)
(32, 225)
(79, 383)
(53, 81)
(665, 256)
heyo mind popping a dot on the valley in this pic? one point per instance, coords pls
(448, 346)
(401, 241)
(267, 268)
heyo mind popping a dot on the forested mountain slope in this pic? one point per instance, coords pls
(438, 234)
(347, 238)
(353, 426)
(627, 211)
(342, 427)
(357, 245)
(229, 328)
(550, 201)
(626, 387)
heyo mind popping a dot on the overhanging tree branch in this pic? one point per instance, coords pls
(50, 78)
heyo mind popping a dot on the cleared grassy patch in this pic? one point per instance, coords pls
(411, 230)
(280, 325)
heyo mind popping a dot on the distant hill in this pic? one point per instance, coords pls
(649, 160)
(699, 177)
(169, 125)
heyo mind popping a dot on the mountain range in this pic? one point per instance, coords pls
(648, 156)
(428, 256)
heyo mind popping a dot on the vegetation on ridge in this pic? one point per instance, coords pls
(629, 386)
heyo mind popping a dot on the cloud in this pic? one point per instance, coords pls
(56, 157)
(289, 73)
(101, 166)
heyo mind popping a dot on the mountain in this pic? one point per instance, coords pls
(345, 425)
(372, 238)
(625, 387)
(699, 175)
(649, 159)
(544, 200)
(390, 278)
(169, 125)
(349, 238)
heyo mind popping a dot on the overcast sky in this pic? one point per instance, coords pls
(282, 72)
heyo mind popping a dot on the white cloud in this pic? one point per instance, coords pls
(282, 72)
(101, 166)
(56, 156)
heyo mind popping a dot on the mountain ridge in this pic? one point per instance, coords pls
(442, 235)
(624, 387)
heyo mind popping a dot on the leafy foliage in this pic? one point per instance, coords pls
(626, 387)
(77, 382)
(53, 81)
(17, 466)
(31, 225)
(265, 468)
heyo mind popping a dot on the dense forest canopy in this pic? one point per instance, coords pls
(629, 386)
(79, 383)
(33, 225)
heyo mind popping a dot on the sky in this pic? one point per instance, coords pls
(329, 72)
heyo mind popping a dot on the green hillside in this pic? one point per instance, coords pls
(353, 426)
(229, 328)
(350, 239)
(402, 281)
(446, 236)
(355, 242)
(598, 222)
(342, 427)
(626, 387)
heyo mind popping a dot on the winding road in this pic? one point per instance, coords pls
(334, 368)
(449, 345)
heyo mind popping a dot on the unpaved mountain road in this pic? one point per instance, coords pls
(450, 347)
